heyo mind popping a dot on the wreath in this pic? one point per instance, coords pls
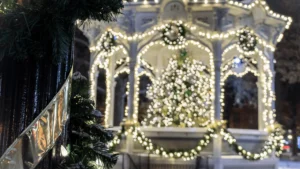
(108, 42)
(174, 34)
(247, 40)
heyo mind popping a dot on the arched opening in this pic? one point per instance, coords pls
(101, 91)
(241, 102)
(144, 101)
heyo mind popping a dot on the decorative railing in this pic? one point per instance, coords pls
(40, 136)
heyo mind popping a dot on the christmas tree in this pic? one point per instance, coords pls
(181, 97)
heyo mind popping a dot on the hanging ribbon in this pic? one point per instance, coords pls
(40, 136)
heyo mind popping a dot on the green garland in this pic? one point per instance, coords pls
(108, 41)
(158, 150)
(47, 26)
(274, 143)
(247, 39)
(168, 30)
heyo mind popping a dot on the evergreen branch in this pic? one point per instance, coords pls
(25, 29)
(88, 138)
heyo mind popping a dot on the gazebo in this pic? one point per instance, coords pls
(228, 38)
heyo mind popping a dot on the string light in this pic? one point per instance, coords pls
(174, 33)
(273, 143)
(265, 79)
(247, 39)
(105, 64)
(102, 62)
(144, 2)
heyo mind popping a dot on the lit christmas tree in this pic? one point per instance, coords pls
(181, 97)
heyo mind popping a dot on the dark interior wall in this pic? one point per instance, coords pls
(82, 54)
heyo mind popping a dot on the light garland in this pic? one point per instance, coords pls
(234, 3)
(146, 143)
(210, 35)
(106, 42)
(102, 61)
(265, 79)
(273, 143)
(144, 2)
(214, 35)
(148, 74)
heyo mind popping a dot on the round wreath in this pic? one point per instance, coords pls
(108, 42)
(174, 34)
(247, 40)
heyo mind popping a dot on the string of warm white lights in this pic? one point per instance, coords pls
(102, 61)
(234, 3)
(139, 136)
(247, 39)
(211, 34)
(273, 143)
(265, 74)
(263, 71)
(265, 80)
(224, 35)
(268, 93)
(174, 33)
(148, 74)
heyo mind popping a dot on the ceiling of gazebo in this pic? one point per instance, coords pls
(158, 56)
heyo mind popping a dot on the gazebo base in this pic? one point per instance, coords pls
(171, 138)
(145, 161)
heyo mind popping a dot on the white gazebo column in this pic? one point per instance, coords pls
(132, 79)
(220, 14)
(261, 107)
(112, 83)
(112, 86)
(270, 54)
(217, 149)
(261, 123)
(130, 103)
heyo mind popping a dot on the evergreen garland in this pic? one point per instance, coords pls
(247, 39)
(174, 34)
(88, 139)
(108, 42)
(47, 26)
(274, 143)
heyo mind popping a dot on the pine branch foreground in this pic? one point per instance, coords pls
(88, 138)
(38, 27)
